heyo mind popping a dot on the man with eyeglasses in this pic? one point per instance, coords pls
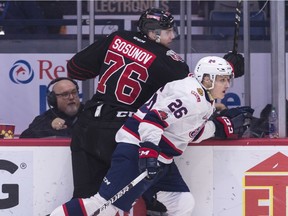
(64, 103)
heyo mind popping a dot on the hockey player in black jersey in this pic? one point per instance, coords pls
(131, 66)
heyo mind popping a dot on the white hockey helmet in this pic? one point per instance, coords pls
(212, 66)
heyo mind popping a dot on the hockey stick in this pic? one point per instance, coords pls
(121, 192)
(233, 57)
(237, 24)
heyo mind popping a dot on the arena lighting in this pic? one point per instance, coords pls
(2, 31)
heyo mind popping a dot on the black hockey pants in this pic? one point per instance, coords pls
(92, 145)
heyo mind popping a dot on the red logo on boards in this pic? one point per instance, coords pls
(265, 187)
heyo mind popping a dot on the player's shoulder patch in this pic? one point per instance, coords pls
(200, 91)
(174, 55)
(196, 95)
(163, 115)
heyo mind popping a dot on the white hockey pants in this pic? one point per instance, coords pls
(177, 203)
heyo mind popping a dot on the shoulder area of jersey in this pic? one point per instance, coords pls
(191, 82)
(174, 55)
(192, 78)
(188, 82)
(196, 88)
(124, 34)
(188, 86)
(136, 36)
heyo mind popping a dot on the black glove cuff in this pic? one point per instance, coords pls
(219, 129)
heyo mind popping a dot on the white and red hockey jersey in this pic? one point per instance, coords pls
(176, 115)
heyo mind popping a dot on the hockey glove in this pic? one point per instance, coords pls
(233, 122)
(148, 154)
(237, 61)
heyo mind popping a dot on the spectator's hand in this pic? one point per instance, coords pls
(148, 154)
(58, 124)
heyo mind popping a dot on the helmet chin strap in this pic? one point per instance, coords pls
(158, 39)
(210, 95)
(157, 35)
(208, 89)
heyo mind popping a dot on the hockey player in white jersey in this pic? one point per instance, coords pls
(176, 115)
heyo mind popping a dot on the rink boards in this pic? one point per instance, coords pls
(243, 177)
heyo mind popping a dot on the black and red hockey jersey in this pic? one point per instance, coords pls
(130, 66)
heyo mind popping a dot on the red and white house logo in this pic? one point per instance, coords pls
(265, 187)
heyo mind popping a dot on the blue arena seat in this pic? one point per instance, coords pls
(228, 30)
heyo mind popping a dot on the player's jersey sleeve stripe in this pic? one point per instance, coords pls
(152, 123)
(166, 156)
(131, 131)
(75, 207)
(166, 142)
(77, 72)
(154, 118)
(168, 149)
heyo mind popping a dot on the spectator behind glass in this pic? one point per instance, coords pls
(52, 10)
(23, 10)
(64, 105)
